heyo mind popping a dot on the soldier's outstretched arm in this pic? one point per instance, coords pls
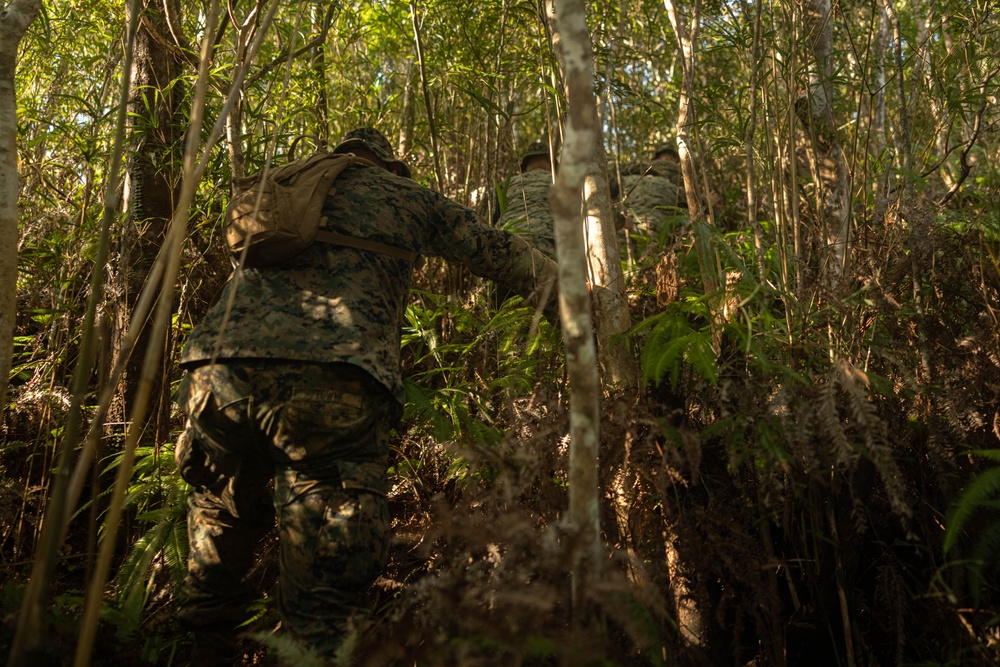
(499, 256)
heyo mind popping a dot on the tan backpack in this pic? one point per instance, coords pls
(277, 217)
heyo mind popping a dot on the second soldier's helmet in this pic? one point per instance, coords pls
(535, 149)
(666, 151)
(375, 142)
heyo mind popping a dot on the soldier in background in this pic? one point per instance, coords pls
(294, 377)
(525, 209)
(653, 194)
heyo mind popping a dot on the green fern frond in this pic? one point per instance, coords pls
(983, 488)
(421, 408)
(984, 559)
(991, 454)
(701, 355)
(131, 582)
(175, 551)
(672, 341)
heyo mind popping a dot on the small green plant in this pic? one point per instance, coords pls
(982, 494)
(158, 496)
(674, 340)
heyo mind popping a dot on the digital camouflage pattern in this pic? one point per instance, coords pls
(294, 376)
(650, 200)
(336, 304)
(321, 432)
(528, 211)
(668, 167)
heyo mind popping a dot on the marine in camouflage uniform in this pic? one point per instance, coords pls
(527, 211)
(300, 382)
(652, 194)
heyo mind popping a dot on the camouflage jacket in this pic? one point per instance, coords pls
(336, 304)
(650, 200)
(666, 168)
(528, 211)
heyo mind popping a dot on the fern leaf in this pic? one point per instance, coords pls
(983, 488)
(991, 454)
(984, 559)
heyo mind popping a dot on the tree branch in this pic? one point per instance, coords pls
(284, 56)
(976, 131)
(170, 14)
(438, 177)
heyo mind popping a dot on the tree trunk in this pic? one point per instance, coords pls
(611, 317)
(618, 366)
(687, 38)
(408, 114)
(14, 22)
(690, 606)
(151, 186)
(573, 41)
(878, 116)
(833, 193)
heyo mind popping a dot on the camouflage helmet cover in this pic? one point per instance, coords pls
(370, 139)
(535, 149)
(666, 150)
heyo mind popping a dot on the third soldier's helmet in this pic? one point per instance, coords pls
(535, 149)
(375, 142)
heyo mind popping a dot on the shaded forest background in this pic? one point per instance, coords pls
(809, 470)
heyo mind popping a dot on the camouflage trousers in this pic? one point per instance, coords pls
(320, 432)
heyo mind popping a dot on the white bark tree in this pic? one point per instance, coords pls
(689, 601)
(15, 19)
(580, 134)
(686, 29)
(617, 364)
(830, 170)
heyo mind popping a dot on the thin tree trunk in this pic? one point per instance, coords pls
(687, 37)
(14, 22)
(407, 115)
(319, 73)
(151, 186)
(691, 616)
(573, 41)
(833, 192)
(192, 169)
(429, 106)
(879, 115)
(751, 181)
(28, 636)
(905, 140)
(617, 364)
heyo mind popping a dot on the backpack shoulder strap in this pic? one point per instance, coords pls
(327, 236)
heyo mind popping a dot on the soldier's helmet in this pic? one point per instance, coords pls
(535, 149)
(666, 152)
(372, 140)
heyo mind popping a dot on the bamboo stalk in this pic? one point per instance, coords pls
(175, 237)
(438, 176)
(28, 635)
(193, 171)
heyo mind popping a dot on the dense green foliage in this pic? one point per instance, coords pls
(810, 474)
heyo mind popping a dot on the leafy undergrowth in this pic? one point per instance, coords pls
(794, 487)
